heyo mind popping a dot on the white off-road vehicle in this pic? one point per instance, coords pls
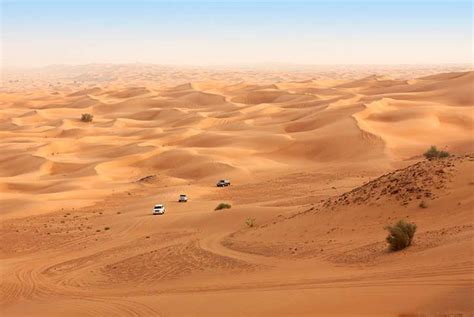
(159, 209)
(223, 183)
(183, 198)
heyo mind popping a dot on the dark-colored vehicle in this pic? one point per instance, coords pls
(223, 183)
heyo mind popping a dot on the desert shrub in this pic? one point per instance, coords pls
(107, 228)
(222, 206)
(400, 235)
(423, 204)
(250, 222)
(87, 117)
(443, 154)
(434, 153)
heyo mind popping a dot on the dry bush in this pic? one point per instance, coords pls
(87, 117)
(250, 222)
(222, 206)
(400, 235)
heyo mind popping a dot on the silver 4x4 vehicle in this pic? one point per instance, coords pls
(183, 198)
(159, 209)
(223, 183)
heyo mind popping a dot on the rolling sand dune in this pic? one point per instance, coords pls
(321, 163)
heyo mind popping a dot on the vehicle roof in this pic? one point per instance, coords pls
(159, 205)
(182, 194)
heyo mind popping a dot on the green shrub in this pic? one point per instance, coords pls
(250, 222)
(443, 154)
(400, 235)
(222, 206)
(434, 153)
(87, 117)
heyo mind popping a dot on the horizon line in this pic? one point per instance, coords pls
(233, 64)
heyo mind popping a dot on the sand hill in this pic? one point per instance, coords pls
(320, 165)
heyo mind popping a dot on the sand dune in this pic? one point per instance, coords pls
(397, 121)
(320, 163)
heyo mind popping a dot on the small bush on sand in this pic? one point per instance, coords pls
(107, 228)
(222, 206)
(434, 153)
(87, 117)
(400, 235)
(443, 154)
(423, 204)
(250, 222)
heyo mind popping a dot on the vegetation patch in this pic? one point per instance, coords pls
(87, 117)
(250, 222)
(400, 235)
(423, 204)
(222, 206)
(434, 153)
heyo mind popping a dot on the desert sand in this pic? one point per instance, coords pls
(321, 161)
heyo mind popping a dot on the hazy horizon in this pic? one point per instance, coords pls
(219, 33)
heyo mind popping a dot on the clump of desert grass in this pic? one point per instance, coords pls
(250, 222)
(223, 206)
(87, 117)
(433, 153)
(400, 235)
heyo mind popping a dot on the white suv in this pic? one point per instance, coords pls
(223, 183)
(159, 209)
(183, 198)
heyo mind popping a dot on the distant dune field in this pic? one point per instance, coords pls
(319, 162)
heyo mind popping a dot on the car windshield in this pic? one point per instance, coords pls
(182, 195)
(158, 206)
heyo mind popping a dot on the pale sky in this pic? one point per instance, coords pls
(39, 33)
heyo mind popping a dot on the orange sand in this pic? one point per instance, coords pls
(297, 149)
